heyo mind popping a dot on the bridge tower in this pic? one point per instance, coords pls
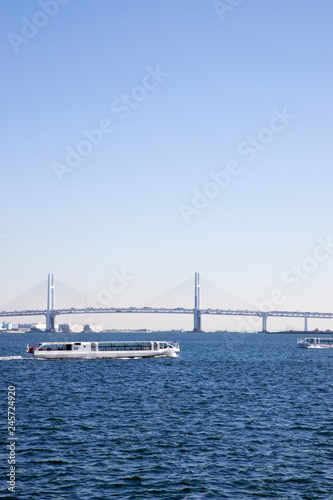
(50, 303)
(197, 315)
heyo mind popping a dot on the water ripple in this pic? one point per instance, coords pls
(239, 417)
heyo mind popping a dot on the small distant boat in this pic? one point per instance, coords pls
(119, 349)
(315, 342)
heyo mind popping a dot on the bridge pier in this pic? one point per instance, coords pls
(197, 315)
(264, 323)
(305, 323)
(50, 326)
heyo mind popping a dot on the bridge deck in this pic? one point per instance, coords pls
(151, 310)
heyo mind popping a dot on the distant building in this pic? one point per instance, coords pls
(93, 328)
(38, 327)
(24, 326)
(6, 326)
(70, 327)
(63, 327)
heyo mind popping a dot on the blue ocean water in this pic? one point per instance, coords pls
(235, 416)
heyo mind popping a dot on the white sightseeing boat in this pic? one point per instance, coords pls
(109, 349)
(316, 342)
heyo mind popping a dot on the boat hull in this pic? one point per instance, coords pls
(110, 350)
(109, 355)
(320, 346)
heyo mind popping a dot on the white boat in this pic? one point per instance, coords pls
(109, 349)
(315, 342)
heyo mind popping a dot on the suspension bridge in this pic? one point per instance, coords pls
(185, 298)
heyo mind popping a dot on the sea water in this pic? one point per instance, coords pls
(235, 416)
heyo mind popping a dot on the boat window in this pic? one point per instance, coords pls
(93, 346)
(68, 347)
(124, 346)
(49, 347)
(105, 346)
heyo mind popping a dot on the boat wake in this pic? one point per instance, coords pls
(8, 358)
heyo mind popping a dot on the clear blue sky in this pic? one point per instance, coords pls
(182, 90)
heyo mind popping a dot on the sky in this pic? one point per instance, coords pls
(159, 139)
